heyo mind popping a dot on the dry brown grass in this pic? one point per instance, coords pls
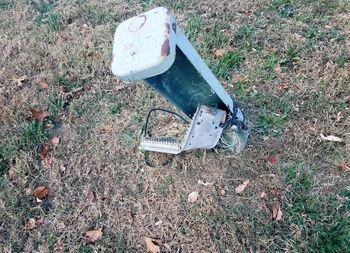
(102, 180)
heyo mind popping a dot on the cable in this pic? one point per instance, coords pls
(163, 110)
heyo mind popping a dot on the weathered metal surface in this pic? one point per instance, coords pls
(204, 132)
(183, 86)
(144, 46)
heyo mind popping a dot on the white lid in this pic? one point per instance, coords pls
(144, 46)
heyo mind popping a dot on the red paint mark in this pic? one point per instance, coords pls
(142, 23)
(165, 48)
(174, 27)
(167, 28)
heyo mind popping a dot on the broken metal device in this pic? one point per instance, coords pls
(152, 47)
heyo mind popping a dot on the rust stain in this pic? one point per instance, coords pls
(174, 27)
(165, 48)
(167, 28)
(134, 29)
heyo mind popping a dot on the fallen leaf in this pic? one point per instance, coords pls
(45, 156)
(106, 129)
(225, 84)
(59, 245)
(192, 197)
(266, 138)
(331, 138)
(219, 53)
(236, 78)
(55, 140)
(41, 192)
(344, 166)
(43, 84)
(32, 223)
(27, 191)
(20, 80)
(90, 196)
(93, 235)
(92, 55)
(283, 86)
(297, 36)
(39, 114)
(276, 211)
(205, 184)
(151, 246)
(241, 187)
(278, 72)
(87, 87)
(271, 159)
(327, 27)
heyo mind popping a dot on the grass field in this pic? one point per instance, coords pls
(286, 61)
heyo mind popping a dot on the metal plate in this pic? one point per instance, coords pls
(205, 128)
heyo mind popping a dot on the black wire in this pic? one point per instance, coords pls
(163, 110)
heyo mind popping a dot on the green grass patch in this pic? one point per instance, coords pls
(55, 105)
(271, 124)
(271, 60)
(4, 5)
(323, 217)
(32, 134)
(60, 80)
(116, 108)
(284, 8)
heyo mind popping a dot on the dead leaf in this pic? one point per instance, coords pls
(297, 36)
(241, 187)
(59, 245)
(32, 223)
(219, 53)
(331, 138)
(87, 87)
(276, 211)
(27, 191)
(43, 85)
(278, 71)
(225, 84)
(45, 156)
(327, 27)
(20, 80)
(93, 235)
(236, 78)
(92, 55)
(344, 166)
(90, 196)
(39, 114)
(41, 192)
(151, 246)
(283, 86)
(192, 197)
(55, 140)
(205, 184)
(271, 159)
(266, 138)
(106, 129)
